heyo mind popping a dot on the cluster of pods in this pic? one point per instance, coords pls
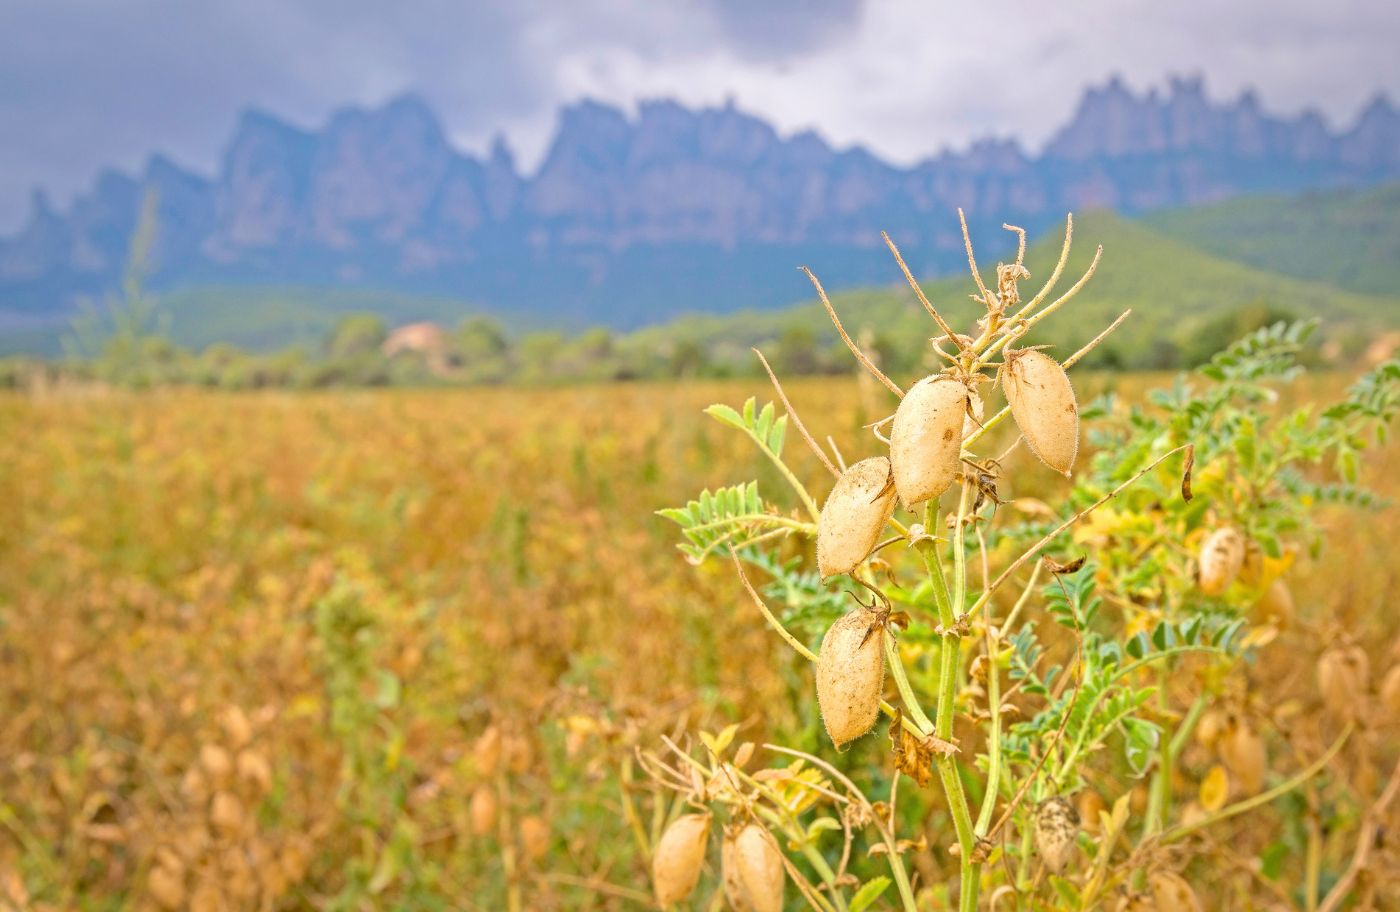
(925, 459)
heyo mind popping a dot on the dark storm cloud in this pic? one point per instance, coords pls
(89, 83)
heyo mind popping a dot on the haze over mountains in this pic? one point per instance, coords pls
(630, 220)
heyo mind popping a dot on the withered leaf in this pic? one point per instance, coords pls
(913, 755)
(1058, 568)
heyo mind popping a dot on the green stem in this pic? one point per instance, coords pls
(767, 518)
(989, 799)
(1023, 865)
(828, 876)
(1183, 830)
(1188, 725)
(948, 661)
(901, 880)
(1160, 793)
(906, 692)
(797, 486)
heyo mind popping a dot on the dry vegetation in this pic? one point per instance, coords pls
(251, 643)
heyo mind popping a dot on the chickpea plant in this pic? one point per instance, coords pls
(1045, 660)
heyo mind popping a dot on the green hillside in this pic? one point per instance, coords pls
(264, 319)
(1181, 273)
(1182, 298)
(1346, 238)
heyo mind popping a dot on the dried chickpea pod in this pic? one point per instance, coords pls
(1043, 404)
(487, 751)
(1056, 829)
(166, 886)
(851, 675)
(853, 516)
(483, 810)
(534, 836)
(1344, 676)
(1275, 606)
(680, 854)
(752, 868)
(217, 764)
(1222, 556)
(1171, 891)
(734, 891)
(926, 438)
(1390, 691)
(1244, 754)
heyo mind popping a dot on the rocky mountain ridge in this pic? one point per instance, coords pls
(631, 219)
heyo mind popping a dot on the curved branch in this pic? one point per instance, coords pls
(855, 349)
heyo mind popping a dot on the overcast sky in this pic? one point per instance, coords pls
(90, 83)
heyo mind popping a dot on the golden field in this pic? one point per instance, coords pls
(247, 641)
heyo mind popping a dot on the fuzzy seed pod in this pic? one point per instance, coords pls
(675, 870)
(855, 512)
(1042, 402)
(1222, 556)
(483, 810)
(1056, 829)
(534, 837)
(1343, 676)
(236, 727)
(851, 675)
(1390, 691)
(519, 754)
(753, 870)
(1171, 891)
(254, 769)
(226, 812)
(734, 891)
(1244, 754)
(1275, 606)
(926, 439)
(166, 886)
(217, 764)
(1211, 727)
(487, 752)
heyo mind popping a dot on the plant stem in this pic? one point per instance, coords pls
(1160, 793)
(1160, 796)
(1183, 830)
(828, 876)
(1312, 871)
(797, 486)
(989, 800)
(506, 833)
(949, 610)
(906, 692)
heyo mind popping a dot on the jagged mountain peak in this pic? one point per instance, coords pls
(378, 195)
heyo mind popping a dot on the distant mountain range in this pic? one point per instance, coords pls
(633, 220)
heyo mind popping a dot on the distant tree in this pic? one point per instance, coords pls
(357, 335)
(796, 352)
(687, 359)
(538, 354)
(1220, 330)
(479, 339)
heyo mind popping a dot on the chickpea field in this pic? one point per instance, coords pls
(267, 651)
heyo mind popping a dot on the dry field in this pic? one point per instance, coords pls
(247, 643)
